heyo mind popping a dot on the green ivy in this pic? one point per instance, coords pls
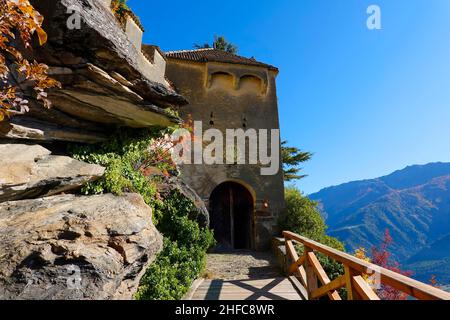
(121, 156)
(171, 275)
(183, 257)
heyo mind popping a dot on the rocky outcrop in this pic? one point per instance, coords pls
(91, 94)
(30, 171)
(69, 247)
(200, 213)
(32, 129)
(103, 81)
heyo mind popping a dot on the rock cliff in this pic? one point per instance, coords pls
(103, 80)
(55, 243)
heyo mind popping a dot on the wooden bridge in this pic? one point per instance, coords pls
(305, 278)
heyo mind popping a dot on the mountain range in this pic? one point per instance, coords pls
(413, 204)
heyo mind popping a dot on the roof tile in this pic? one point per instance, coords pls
(213, 55)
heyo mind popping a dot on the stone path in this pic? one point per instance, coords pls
(241, 265)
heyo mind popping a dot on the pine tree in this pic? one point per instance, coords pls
(220, 43)
(292, 158)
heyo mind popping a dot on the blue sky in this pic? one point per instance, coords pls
(364, 102)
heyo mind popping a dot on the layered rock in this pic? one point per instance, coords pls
(69, 247)
(58, 246)
(30, 171)
(105, 84)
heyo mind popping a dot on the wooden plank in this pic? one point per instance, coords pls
(400, 282)
(333, 285)
(292, 254)
(248, 289)
(363, 288)
(322, 275)
(290, 251)
(196, 285)
(302, 276)
(300, 287)
(296, 265)
(348, 283)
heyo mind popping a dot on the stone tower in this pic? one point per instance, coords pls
(226, 91)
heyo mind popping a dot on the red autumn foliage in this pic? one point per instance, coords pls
(160, 150)
(434, 282)
(382, 257)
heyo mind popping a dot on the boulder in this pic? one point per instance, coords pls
(32, 129)
(200, 213)
(75, 247)
(30, 171)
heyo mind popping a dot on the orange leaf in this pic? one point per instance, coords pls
(42, 35)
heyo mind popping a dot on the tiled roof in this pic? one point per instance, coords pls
(213, 55)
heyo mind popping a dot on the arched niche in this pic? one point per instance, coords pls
(251, 84)
(222, 80)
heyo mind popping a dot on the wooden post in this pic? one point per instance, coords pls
(311, 278)
(288, 257)
(352, 293)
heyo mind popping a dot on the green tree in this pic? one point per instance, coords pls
(220, 43)
(302, 216)
(292, 158)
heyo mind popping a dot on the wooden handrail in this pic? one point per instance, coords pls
(353, 280)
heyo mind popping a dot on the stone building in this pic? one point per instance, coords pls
(226, 91)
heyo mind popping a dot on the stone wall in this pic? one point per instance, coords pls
(229, 96)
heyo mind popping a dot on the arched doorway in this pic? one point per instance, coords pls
(231, 213)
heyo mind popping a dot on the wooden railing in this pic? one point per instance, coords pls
(308, 270)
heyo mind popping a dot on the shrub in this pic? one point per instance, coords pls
(126, 157)
(120, 10)
(302, 216)
(171, 275)
(123, 157)
(183, 257)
